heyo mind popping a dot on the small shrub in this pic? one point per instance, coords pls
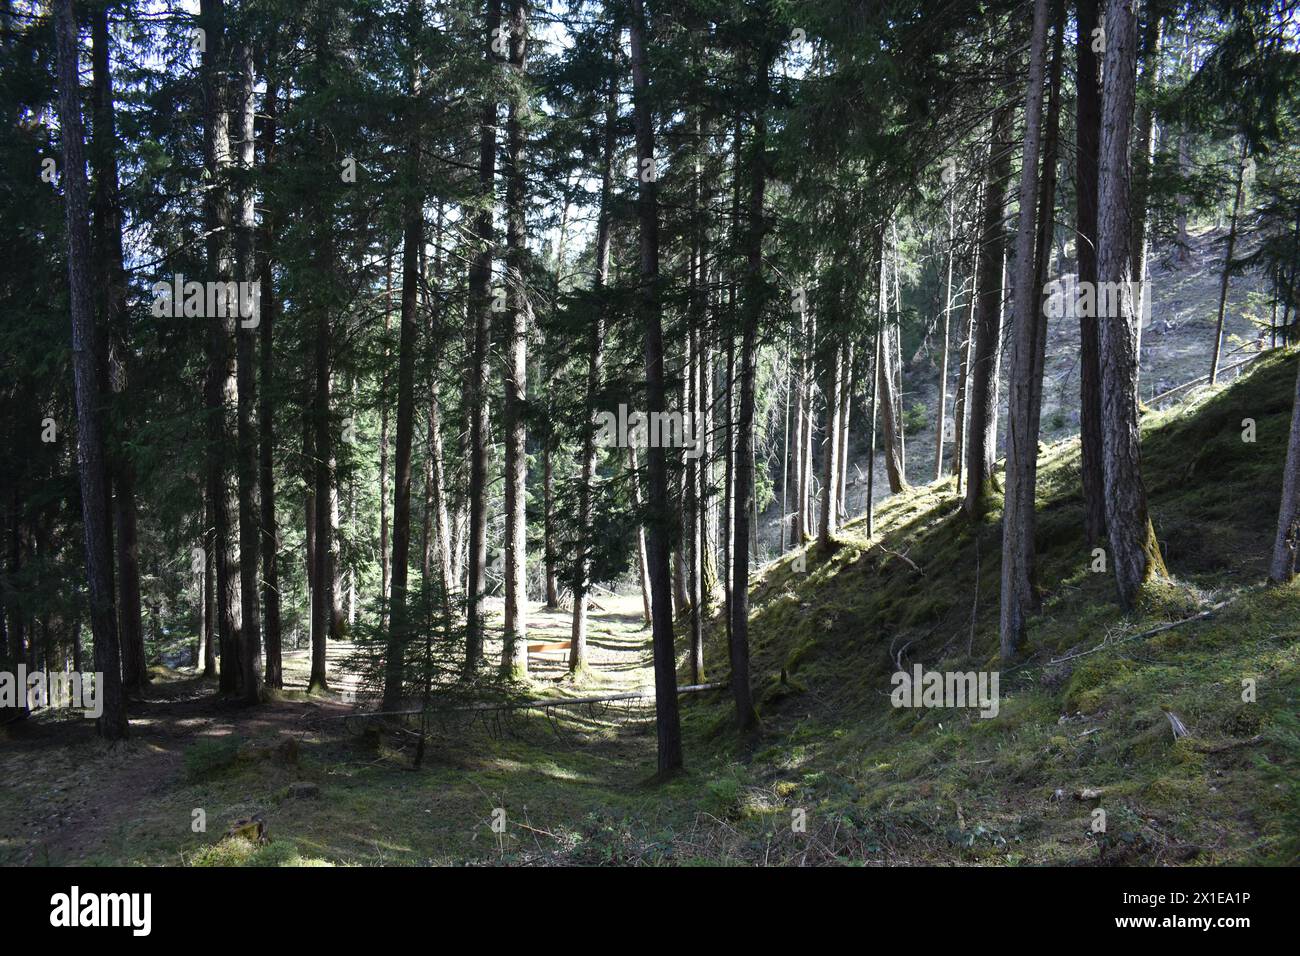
(915, 418)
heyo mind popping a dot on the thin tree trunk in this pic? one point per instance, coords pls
(250, 640)
(322, 454)
(385, 556)
(221, 387)
(643, 566)
(91, 466)
(1135, 552)
(831, 385)
(941, 418)
(209, 596)
(667, 723)
(400, 620)
(111, 277)
(848, 380)
(270, 543)
(480, 316)
(550, 555)
(338, 628)
(514, 652)
(981, 393)
(1017, 598)
(871, 460)
(890, 399)
(746, 716)
(1088, 134)
(438, 497)
(785, 460)
(595, 370)
(1145, 160)
(899, 408)
(1225, 274)
(799, 384)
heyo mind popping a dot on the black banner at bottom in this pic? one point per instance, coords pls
(130, 906)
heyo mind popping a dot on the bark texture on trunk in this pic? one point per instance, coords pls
(399, 620)
(270, 543)
(831, 386)
(1088, 135)
(514, 653)
(746, 716)
(1017, 593)
(981, 390)
(1135, 552)
(111, 278)
(250, 639)
(480, 318)
(667, 722)
(92, 468)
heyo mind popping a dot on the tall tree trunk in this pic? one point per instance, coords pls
(900, 408)
(799, 384)
(480, 316)
(221, 387)
(1017, 595)
(1135, 551)
(514, 652)
(550, 554)
(871, 459)
(1225, 273)
(1088, 135)
(270, 543)
(667, 723)
(788, 376)
(438, 495)
(595, 370)
(891, 409)
(831, 386)
(250, 648)
(941, 419)
(707, 532)
(1145, 139)
(963, 374)
(981, 392)
(400, 623)
(338, 619)
(319, 309)
(755, 295)
(91, 466)
(887, 387)
(111, 277)
(385, 556)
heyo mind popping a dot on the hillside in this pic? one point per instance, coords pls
(1086, 708)
(1084, 711)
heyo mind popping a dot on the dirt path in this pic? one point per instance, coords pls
(66, 796)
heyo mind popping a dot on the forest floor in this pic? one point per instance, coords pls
(836, 774)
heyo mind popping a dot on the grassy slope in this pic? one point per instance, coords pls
(872, 783)
(951, 786)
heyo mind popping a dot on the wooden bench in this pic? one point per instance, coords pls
(545, 646)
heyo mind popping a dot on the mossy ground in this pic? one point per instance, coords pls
(837, 774)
